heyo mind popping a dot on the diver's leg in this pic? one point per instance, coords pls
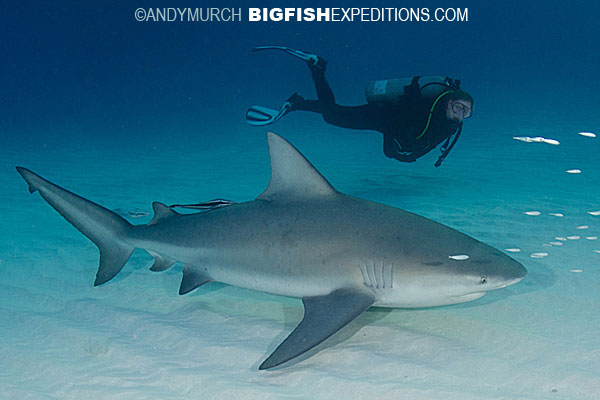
(299, 103)
(324, 92)
(352, 117)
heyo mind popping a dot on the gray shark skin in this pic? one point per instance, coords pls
(299, 238)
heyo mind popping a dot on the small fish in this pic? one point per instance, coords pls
(537, 139)
(587, 134)
(533, 213)
(539, 255)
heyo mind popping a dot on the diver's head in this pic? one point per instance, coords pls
(460, 106)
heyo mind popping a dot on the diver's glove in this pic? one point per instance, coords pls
(393, 149)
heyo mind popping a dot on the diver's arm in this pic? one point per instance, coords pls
(405, 156)
(420, 152)
(393, 149)
(426, 148)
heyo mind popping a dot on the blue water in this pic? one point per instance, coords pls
(126, 113)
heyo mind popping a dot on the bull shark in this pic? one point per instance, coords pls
(300, 238)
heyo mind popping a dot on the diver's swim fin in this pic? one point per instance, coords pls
(312, 60)
(260, 116)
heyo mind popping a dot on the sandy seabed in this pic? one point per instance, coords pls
(136, 338)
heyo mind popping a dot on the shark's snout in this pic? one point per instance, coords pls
(516, 273)
(512, 272)
(522, 271)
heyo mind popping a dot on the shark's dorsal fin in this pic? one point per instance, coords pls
(161, 212)
(292, 175)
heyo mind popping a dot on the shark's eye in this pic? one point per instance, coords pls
(483, 280)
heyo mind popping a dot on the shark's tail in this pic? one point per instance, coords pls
(103, 227)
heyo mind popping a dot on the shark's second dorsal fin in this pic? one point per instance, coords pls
(292, 175)
(161, 212)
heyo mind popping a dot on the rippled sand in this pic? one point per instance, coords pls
(136, 338)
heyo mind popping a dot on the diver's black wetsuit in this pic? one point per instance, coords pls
(400, 122)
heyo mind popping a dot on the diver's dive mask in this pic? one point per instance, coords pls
(463, 109)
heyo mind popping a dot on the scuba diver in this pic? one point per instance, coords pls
(415, 115)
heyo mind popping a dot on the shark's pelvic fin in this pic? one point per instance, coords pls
(160, 263)
(103, 227)
(292, 175)
(323, 316)
(193, 277)
(161, 212)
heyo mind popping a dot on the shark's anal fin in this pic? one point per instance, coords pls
(323, 316)
(160, 263)
(193, 277)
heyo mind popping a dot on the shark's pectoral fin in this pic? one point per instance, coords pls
(193, 277)
(323, 316)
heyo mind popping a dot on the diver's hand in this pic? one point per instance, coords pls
(401, 155)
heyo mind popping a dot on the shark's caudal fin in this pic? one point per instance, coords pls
(292, 175)
(103, 227)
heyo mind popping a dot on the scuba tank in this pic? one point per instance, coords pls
(389, 90)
